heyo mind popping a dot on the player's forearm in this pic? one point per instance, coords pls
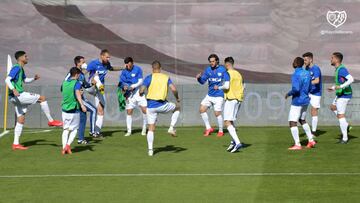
(8, 83)
(117, 68)
(29, 80)
(142, 90)
(78, 97)
(315, 81)
(349, 80)
(176, 95)
(225, 86)
(138, 84)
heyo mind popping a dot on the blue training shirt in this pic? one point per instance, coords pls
(214, 76)
(129, 77)
(14, 73)
(343, 73)
(315, 72)
(96, 66)
(301, 85)
(154, 103)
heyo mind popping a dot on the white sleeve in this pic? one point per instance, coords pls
(97, 80)
(225, 86)
(138, 84)
(349, 80)
(8, 82)
(29, 80)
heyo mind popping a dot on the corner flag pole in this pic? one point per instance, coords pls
(9, 65)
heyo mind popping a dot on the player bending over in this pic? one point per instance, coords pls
(301, 85)
(234, 94)
(71, 105)
(157, 85)
(343, 92)
(215, 75)
(80, 64)
(22, 99)
(131, 78)
(316, 89)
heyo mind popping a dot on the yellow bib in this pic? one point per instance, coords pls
(158, 87)
(236, 90)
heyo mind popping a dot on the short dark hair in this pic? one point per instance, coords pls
(213, 56)
(156, 62)
(74, 71)
(19, 54)
(104, 51)
(128, 60)
(229, 60)
(298, 62)
(308, 54)
(77, 59)
(339, 56)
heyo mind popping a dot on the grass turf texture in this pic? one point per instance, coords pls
(189, 153)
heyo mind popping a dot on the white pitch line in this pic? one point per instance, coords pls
(176, 174)
(4, 133)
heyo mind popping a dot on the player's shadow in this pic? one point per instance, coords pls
(110, 133)
(350, 137)
(81, 148)
(318, 133)
(39, 142)
(169, 148)
(244, 145)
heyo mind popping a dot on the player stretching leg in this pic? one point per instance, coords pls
(98, 69)
(131, 79)
(22, 99)
(157, 85)
(215, 75)
(81, 65)
(343, 92)
(234, 94)
(71, 101)
(316, 89)
(301, 85)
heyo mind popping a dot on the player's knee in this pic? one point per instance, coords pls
(340, 116)
(292, 124)
(129, 112)
(42, 98)
(332, 107)
(21, 119)
(302, 122)
(227, 123)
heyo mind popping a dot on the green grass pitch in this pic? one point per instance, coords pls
(198, 168)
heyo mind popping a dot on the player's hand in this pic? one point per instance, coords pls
(125, 88)
(16, 93)
(286, 96)
(36, 77)
(330, 89)
(337, 87)
(198, 75)
(83, 108)
(131, 88)
(216, 87)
